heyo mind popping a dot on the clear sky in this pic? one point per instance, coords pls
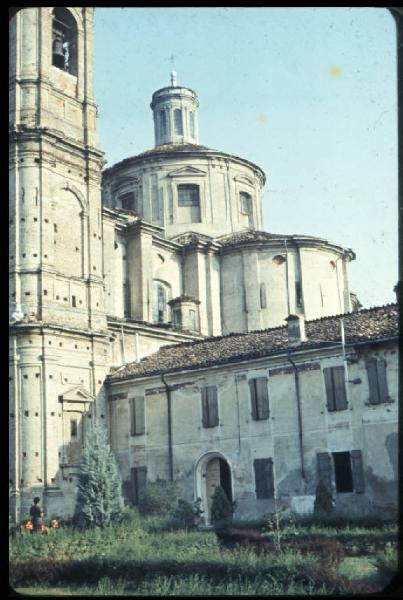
(308, 94)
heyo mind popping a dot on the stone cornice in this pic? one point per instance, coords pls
(157, 155)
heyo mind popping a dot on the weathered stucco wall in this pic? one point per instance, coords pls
(239, 439)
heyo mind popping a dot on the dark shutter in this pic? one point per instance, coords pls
(139, 412)
(209, 406)
(253, 398)
(262, 398)
(205, 412)
(327, 373)
(382, 381)
(213, 405)
(358, 471)
(372, 381)
(325, 468)
(264, 480)
(138, 483)
(339, 388)
(132, 416)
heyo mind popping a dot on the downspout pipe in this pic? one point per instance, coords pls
(168, 389)
(297, 391)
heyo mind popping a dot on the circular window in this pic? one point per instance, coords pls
(279, 260)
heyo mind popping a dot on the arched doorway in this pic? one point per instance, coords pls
(212, 470)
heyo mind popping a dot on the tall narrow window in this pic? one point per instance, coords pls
(245, 200)
(377, 381)
(188, 195)
(160, 300)
(137, 416)
(163, 123)
(192, 320)
(259, 398)
(335, 388)
(264, 480)
(138, 480)
(191, 124)
(209, 406)
(298, 294)
(263, 302)
(64, 40)
(73, 428)
(342, 472)
(178, 121)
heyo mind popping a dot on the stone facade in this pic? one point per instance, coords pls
(106, 268)
(302, 435)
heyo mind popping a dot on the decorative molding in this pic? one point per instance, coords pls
(187, 172)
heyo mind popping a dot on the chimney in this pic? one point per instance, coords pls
(296, 329)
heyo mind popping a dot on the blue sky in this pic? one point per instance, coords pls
(310, 95)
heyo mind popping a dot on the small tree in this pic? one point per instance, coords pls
(221, 507)
(99, 498)
(323, 505)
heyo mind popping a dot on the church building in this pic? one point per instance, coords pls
(148, 297)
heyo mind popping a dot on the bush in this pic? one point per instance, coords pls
(221, 507)
(159, 498)
(183, 517)
(324, 504)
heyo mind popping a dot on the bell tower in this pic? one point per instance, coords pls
(58, 351)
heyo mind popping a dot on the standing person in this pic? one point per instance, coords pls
(36, 514)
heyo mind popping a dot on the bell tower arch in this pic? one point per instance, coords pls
(57, 318)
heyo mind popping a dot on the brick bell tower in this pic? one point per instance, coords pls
(58, 342)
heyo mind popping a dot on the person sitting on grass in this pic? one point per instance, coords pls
(36, 514)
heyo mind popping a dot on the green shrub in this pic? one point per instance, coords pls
(159, 498)
(324, 504)
(183, 517)
(221, 507)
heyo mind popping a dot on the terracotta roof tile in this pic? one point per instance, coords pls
(361, 326)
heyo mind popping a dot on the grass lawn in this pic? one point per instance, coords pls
(136, 559)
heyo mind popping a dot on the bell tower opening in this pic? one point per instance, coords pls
(64, 41)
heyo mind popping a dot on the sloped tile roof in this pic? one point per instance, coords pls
(361, 326)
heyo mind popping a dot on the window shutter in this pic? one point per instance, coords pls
(132, 416)
(212, 405)
(264, 477)
(139, 415)
(138, 483)
(372, 381)
(329, 389)
(382, 380)
(253, 398)
(262, 399)
(205, 413)
(324, 468)
(339, 388)
(358, 471)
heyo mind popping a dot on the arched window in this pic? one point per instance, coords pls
(178, 121)
(160, 302)
(64, 41)
(163, 123)
(191, 124)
